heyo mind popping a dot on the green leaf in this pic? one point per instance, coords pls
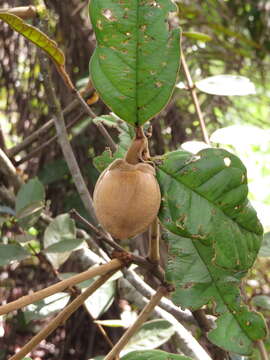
(153, 355)
(112, 323)
(63, 246)
(265, 248)
(262, 301)
(30, 202)
(34, 35)
(135, 64)
(60, 230)
(226, 85)
(102, 161)
(151, 335)
(197, 36)
(213, 236)
(11, 252)
(53, 171)
(100, 301)
(46, 307)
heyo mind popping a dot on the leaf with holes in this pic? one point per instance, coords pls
(214, 236)
(35, 36)
(135, 64)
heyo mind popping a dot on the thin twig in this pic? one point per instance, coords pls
(154, 268)
(114, 264)
(195, 99)
(260, 345)
(40, 131)
(9, 171)
(63, 140)
(166, 304)
(47, 143)
(99, 125)
(61, 317)
(154, 234)
(24, 12)
(162, 291)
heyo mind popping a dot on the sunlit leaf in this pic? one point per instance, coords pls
(197, 36)
(111, 323)
(35, 36)
(226, 85)
(135, 64)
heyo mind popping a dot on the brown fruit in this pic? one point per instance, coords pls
(127, 198)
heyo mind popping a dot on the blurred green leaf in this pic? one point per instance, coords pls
(53, 171)
(11, 252)
(35, 36)
(151, 335)
(46, 307)
(135, 64)
(262, 301)
(213, 236)
(153, 355)
(197, 36)
(111, 323)
(65, 245)
(30, 202)
(100, 301)
(265, 248)
(61, 229)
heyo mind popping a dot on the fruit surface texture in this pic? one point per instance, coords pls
(127, 198)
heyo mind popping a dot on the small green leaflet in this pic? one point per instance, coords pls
(35, 36)
(214, 236)
(135, 64)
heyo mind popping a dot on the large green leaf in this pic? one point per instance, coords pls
(35, 36)
(153, 355)
(214, 236)
(135, 64)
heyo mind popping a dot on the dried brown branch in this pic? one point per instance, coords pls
(24, 12)
(61, 317)
(154, 235)
(63, 140)
(162, 291)
(192, 89)
(114, 264)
